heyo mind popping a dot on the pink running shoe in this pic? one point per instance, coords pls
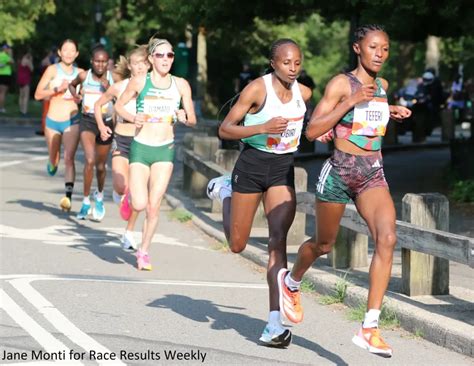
(125, 208)
(143, 261)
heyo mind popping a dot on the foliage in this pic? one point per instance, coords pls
(18, 17)
(180, 214)
(339, 293)
(306, 286)
(388, 317)
(463, 191)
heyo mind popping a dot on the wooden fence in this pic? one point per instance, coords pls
(426, 245)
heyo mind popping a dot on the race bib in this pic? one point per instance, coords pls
(288, 140)
(89, 99)
(159, 109)
(371, 118)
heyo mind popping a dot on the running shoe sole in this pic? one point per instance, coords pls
(282, 341)
(364, 345)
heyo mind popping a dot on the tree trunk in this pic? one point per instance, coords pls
(432, 56)
(405, 65)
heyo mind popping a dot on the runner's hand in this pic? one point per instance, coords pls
(181, 116)
(365, 93)
(139, 120)
(276, 125)
(398, 112)
(105, 132)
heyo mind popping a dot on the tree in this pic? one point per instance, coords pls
(18, 18)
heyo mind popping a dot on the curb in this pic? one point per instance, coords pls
(458, 336)
(20, 121)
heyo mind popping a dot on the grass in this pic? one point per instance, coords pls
(339, 294)
(388, 318)
(419, 333)
(11, 105)
(221, 245)
(306, 286)
(180, 214)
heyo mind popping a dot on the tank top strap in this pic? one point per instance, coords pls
(353, 81)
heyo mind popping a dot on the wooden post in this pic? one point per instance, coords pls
(447, 125)
(423, 274)
(205, 147)
(350, 251)
(391, 137)
(226, 158)
(297, 234)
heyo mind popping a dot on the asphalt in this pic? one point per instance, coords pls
(444, 320)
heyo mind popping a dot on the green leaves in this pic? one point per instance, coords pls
(18, 17)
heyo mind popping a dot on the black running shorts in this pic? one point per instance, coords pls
(256, 171)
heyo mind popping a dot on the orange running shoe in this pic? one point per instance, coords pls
(290, 301)
(370, 339)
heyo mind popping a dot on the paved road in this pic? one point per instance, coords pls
(67, 288)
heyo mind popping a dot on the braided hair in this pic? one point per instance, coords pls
(274, 49)
(361, 32)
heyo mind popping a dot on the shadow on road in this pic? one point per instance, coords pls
(205, 311)
(101, 243)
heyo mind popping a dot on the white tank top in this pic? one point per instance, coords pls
(294, 111)
(131, 106)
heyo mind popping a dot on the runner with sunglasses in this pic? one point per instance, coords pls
(355, 111)
(62, 119)
(272, 108)
(135, 64)
(94, 83)
(159, 96)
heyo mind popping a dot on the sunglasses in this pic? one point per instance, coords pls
(162, 55)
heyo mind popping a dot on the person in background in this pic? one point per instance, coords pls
(6, 61)
(24, 72)
(245, 77)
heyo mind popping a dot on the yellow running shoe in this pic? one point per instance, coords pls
(370, 339)
(65, 204)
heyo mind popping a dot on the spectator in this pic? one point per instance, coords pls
(245, 77)
(25, 69)
(457, 98)
(6, 61)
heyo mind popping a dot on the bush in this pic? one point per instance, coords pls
(463, 191)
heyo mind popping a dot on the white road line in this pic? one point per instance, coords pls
(16, 162)
(42, 336)
(70, 235)
(59, 321)
(28, 278)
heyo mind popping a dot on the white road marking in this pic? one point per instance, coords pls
(16, 162)
(69, 235)
(59, 321)
(28, 278)
(40, 335)
(22, 283)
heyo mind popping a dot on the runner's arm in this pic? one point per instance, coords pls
(188, 116)
(253, 95)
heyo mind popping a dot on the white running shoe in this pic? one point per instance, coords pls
(128, 241)
(274, 337)
(215, 185)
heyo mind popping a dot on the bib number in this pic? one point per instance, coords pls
(288, 140)
(159, 110)
(89, 100)
(371, 118)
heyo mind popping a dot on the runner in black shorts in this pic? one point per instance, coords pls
(273, 109)
(94, 83)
